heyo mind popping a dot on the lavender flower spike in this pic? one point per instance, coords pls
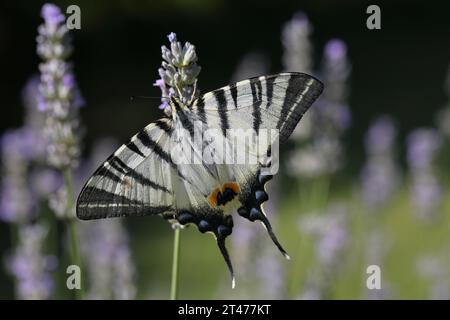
(16, 203)
(426, 192)
(179, 72)
(297, 45)
(60, 97)
(380, 176)
(30, 266)
(110, 269)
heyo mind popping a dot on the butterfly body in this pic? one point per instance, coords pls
(210, 158)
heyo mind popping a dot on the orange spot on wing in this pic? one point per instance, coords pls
(212, 198)
(231, 185)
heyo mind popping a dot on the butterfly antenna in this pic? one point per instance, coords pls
(223, 250)
(132, 98)
(268, 227)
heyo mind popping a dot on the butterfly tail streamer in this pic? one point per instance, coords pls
(268, 226)
(223, 250)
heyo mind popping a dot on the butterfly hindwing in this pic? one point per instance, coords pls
(275, 102)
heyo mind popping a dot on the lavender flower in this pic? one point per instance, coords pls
(378, 243)
(179, 72)
(426, 193)
(297, 45)
(435, 269)
(59, 94)
(16, 200)
(297, 56)
(30, 266)
(331, 238)
(423, 145)
(104, 245)
(380, 175)
(321, 152)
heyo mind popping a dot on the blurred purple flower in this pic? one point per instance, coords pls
(16, 201)
(59, 95)
(380, 175)
(104, 245)
(331, 237)
(320, 149)
(426, 192)
(434, 268)
(52, 14)
(422, 145)
(30, 266)
(336, 50)
(295, 37)
(44, 182)
(381, 135)
(329, 231)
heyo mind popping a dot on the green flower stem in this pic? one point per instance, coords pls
(175, 265)
(72, 229)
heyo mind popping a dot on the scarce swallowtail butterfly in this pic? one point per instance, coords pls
(184, 167)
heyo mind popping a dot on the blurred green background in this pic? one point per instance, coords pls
(399, 70)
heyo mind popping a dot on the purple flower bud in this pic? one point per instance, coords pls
(52, 14)
(172, 37)
(422, 146)
(381, 135)
(179, 70)
(335, 49)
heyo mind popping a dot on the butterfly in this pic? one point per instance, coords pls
(179, 166)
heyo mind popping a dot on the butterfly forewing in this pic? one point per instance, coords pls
(135, 180)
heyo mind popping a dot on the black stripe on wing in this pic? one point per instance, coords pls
(122, 167)
(133, 147)
(257, 100)
(269, 90)
(222, 104)
(234, 94)
(185, 121)
(201, 109)
(95, 203)
(301, 92)
(287, 103)
(164, 125)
